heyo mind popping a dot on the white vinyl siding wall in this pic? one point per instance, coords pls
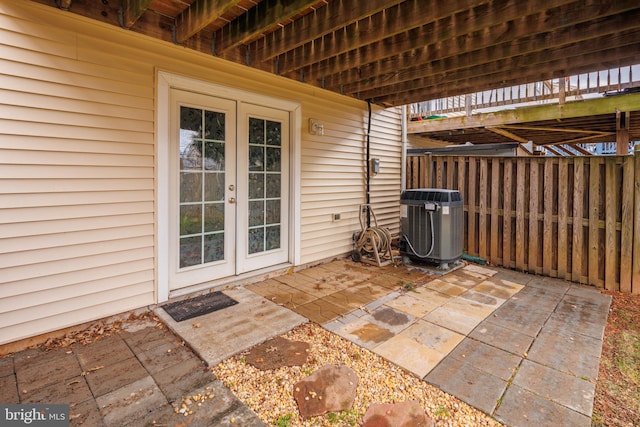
(78, 169)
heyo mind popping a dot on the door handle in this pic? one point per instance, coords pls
(232, 199)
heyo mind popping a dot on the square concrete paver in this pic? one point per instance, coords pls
(522, 408)
(520, 317)
(431, 298)
(433, 336)
(457, 318)
(498, 288)
(281, 293)
(106, 351)
(9, 389)
(445, 287)
(467, 383)
(539, 299)
(115, 375)
(573, 392)
(409, 304)
(503, 338)
(322, 311)
(56, 366)
(362, 332)
(131, 402)
(578, 355)
(409, 354)
(486, 358)
(460, 279)
(73, 390)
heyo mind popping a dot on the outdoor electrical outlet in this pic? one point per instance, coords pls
(335, 217)
(316, 127)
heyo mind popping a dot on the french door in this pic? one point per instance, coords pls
(229, 172)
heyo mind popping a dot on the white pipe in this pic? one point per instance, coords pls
(403, 156)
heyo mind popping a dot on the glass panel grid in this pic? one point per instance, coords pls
(202, 166)
(265, 180)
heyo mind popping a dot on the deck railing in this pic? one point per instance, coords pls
(557, 90)
(573, 218)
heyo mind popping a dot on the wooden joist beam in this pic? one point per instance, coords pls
(590, 107)
(527, 68)
(448, 36)
(508, 134)
(490, 57)
(200, 14)
(581, 140)
(132, 10)
(579, 149)
(406, 93)
(407, 22)
(322, 21)
(565, 149)
(557, 129)
(553, 151)
(257, 20)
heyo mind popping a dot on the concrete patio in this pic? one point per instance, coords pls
(521, 348)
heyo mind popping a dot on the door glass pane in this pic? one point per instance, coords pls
(265, 180)
(202, 183)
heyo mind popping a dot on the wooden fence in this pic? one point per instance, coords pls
(571, 218)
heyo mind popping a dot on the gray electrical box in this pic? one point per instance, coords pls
(431, 221)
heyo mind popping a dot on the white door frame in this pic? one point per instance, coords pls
(166, 82)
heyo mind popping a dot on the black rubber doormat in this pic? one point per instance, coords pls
(197, 306)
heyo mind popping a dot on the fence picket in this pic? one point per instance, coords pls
(577, 223)
(563, 206)
(611, 204)
(507, 213)
(594, 218)
(482, 210)
(471, 219)
(626, 228)
(520, 214)
(547, 234)
(496, 190)
(534, 234)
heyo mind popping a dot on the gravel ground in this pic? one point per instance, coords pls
(270, 393)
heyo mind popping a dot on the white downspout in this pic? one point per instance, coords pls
(403, 156)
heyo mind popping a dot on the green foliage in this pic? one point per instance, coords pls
(283, 421)
(442, 412)
(349, 417)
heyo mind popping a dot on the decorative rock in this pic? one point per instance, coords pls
(401, 414)
(330, 388)
(278, 352)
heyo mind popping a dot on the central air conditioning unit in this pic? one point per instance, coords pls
(431, 222)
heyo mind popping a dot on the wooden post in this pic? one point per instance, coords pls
(611, 203)
(578, 206)
(622, 132)
(521, 244)
(626, 233)
(635, 284)
(563, 214)
(547, 234)
(482, 209)
(593, 254)
(562, 94)
(507, 243)
(467, 104)
(534, 232)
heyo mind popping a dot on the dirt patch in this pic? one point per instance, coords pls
(617, 400)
